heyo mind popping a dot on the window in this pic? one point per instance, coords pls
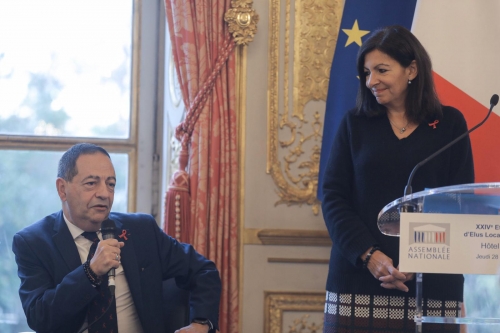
(69, 73)
(66, 72)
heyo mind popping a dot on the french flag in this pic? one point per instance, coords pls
(462, 39)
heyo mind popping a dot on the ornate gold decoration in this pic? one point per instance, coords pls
(242, 21)
(278, 302)
(294, 143)
(302, 325)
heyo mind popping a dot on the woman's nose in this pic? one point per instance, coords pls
(371, 80)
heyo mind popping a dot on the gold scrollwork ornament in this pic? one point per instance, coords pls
(242, 21)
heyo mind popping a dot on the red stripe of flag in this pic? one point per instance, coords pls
(485, 139)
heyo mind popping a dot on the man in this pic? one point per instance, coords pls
(64, 275)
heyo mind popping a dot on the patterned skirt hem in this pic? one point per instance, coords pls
(356, 313)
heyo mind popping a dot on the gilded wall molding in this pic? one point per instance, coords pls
(277, 302)
(292, 237)
(304, 324)
(300, 69)
(241, 70)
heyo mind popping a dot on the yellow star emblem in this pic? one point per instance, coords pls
(355, 34)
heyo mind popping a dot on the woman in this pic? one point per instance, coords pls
(398, 121)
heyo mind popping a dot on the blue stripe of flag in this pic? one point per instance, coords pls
(342, 90)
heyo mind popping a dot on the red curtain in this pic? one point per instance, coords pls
(199, 40)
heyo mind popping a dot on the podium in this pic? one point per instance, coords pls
(450, 230)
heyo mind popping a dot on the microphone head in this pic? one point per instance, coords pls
(494, 100)
(108, 227)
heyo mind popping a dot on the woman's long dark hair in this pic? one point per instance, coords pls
(400, 44)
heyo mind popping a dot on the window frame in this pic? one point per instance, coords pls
(145, 116)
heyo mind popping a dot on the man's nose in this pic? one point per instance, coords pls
(102, 191)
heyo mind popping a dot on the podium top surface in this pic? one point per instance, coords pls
(479, 198)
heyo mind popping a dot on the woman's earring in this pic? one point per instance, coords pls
(409, 81)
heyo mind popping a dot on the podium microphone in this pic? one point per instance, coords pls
(108, 231)
(408, 189)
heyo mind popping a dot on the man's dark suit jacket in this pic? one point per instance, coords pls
(55, 291)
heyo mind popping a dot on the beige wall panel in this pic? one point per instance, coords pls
(261, 276)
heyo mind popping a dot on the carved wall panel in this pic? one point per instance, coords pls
(293, 312)
(296, 322)
(302, 42)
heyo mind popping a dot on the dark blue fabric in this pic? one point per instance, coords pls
(368, 168)
(55, 293)
(344, 83)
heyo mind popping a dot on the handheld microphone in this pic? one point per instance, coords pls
(408, 189)
(108, 231)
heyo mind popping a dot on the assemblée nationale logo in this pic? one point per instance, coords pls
(429, 241)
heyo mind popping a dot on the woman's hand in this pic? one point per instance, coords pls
(409, 276)
(381, 267)
(389, 281)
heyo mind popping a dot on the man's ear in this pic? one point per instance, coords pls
(61, 188)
